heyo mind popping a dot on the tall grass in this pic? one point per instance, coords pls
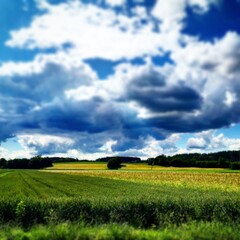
(66, 231)
(138, 213)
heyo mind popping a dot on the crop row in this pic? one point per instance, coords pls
(139, 213)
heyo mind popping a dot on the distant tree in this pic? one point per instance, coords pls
(150, 161)
(17, 163)
(34, 163)
(222, 163)
(114, 163)
(161, 160)
(178, 163)
(235, 166)
(38, 162)
(3, 163)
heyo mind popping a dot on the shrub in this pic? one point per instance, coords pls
(235, 165)
(114, 163)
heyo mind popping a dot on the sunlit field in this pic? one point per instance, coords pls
(197, 178)
(101, 166)
(129, 166)
(222, 181)
(85, 200)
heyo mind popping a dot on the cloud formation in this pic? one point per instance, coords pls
(212, 142)
(57, 102)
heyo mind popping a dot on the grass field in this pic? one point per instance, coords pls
(200, 231)
(161, 203)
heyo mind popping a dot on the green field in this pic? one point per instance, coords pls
(135, 203)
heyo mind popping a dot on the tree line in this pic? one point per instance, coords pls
(121, 158)
(224, 159)
(23, 163)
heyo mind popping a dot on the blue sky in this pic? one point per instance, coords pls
(88, 79)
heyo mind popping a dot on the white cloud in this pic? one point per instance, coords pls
(87, 92)
(153, 147)
(230, 98)
(42, 4)
(173, 12)
(74, 153)
(42, 142)
(220, 57)
(107, 147)
(3, 152)
(98, 33)
(202, 6)
(41, 61)
(211, 142)
(115, 3)
(197, 143)
(9, 154)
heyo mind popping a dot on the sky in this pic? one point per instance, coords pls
(94, 78)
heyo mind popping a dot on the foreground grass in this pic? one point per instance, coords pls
(68, 231)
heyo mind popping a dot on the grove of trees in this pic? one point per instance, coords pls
(224, 159)
(23, 163)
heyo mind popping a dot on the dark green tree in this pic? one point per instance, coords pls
(3, 163)
(114, 163)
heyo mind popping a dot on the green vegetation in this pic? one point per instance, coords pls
(114, 163)
(225, 159)
(33, 197)
(235, 165)
(34, 163)
(112, 204)
(65, 231)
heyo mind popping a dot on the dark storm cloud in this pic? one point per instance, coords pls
(151, 91)
(214, 117)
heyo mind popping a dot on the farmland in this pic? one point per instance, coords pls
(86, 199)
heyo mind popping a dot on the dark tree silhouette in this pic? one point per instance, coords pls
(114, 163)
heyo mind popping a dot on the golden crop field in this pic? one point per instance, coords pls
(126, 166)
(196, 178)
(78, 166)
(102, 166)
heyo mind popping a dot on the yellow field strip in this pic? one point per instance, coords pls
(222, 181)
